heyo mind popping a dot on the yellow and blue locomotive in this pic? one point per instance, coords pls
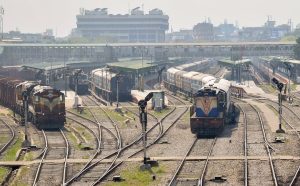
(211, 109)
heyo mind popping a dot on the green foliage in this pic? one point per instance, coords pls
(11, 153)
(29, 156)
(288, 38)
(134, 176)
(162, 113)
(3, 173)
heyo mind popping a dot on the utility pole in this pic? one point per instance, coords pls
(65, 72)
(26, 142)
(289, 68)
(77, 72)
(118, 81)
(1, 19)
(142, 76)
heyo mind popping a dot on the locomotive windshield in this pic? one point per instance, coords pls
(206, 104)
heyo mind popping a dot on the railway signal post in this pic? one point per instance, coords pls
(280, 87)
(26, 142)
(143, 119)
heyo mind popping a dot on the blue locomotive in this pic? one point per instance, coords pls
(212, 108)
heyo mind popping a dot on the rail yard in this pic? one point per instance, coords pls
(218, 125)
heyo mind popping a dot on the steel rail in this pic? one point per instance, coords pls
(66, 157)
(245, 148)
(89, 164)
(266, 145)
(11, 139)
(200, 181)
(293, 181)
(182, 163)
(37, 174)
(150, 144)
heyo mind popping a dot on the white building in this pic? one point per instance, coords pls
(136, 27)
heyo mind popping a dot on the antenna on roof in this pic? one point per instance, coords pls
(128, 7)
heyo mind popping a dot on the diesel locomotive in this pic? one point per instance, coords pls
(212, 105)
(212, 108)
(46, 105)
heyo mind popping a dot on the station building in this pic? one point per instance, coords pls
(134, 27)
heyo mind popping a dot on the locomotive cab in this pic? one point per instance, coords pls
(221, 98)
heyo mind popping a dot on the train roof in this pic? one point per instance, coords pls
(199, 76)
(208, 79)
(41, 88)
(190, 74)
(221, 84)
(172, 70)
(103, 72)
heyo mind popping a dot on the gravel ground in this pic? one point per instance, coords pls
(232, 171)
(230, 142)
(285, 171)
(259, 173)
(292, 145)
(179, 132)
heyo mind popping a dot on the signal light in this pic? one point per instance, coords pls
(278, 83)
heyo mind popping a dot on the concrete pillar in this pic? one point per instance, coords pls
(232, 73)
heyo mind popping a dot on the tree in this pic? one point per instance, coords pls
(297, 49)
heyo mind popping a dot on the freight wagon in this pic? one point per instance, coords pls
(46, 105)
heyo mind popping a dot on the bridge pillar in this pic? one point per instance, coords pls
(232, 73)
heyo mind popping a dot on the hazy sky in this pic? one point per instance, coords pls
(37, 15)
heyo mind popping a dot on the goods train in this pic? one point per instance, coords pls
(104, 83)
(83, 83)
(46, 105)
(212, 106)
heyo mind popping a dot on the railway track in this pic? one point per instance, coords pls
(256, 144)
(56, 147)
(108, 142)
(7, 134)
(291, 118)
(179, 177)
(130, 154)
(175, 101)
(116, 154)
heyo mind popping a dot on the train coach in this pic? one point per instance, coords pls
(105, 84)
(82, 83)
(212, 108)
(46, 105)
(185, 82)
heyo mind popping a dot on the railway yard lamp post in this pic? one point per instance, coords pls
(118, 81)
(65, 71)
(26, 142)
(280, 87)
(289, 68)
(143, 119)
(77, 72)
